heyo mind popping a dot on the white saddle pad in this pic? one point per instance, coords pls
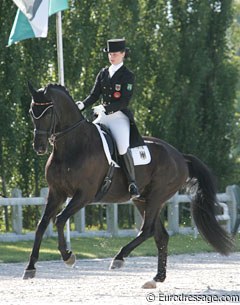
(141, 154)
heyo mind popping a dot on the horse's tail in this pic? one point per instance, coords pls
(204, 204)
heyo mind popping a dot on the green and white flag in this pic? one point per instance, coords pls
(32, 18)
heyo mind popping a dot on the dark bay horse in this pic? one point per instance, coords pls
(77, 166)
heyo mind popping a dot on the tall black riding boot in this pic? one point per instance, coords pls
(128, 167)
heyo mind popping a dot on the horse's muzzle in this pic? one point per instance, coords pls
(41, 152)
(40, 149)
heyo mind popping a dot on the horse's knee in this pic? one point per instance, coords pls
(60, 221)
(146, 230)
(43, 223)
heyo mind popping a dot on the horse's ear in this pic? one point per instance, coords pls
(31, 89)
(47, 92)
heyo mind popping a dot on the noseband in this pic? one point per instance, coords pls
(52, 135)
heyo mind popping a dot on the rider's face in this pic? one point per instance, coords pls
(116, 58)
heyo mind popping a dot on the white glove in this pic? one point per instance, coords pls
(100, 109)
(80, 105)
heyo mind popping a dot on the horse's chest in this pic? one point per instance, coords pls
(60, 172)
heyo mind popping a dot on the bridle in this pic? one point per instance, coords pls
(53, 120)
(51, 134)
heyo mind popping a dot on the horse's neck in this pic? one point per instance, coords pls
(82, 140)
(67, 116)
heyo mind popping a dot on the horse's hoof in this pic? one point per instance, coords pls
(116, 264)
(29, 274)
(150, 285)
(71, 261)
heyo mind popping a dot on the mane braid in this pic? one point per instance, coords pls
(63, 88)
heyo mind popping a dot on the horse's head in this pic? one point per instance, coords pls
(53, 112)
(42, 114)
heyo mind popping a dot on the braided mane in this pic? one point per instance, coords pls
(61, 88)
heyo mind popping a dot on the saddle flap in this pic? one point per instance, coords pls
(141, 154)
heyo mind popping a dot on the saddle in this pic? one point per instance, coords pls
(112, 146)
(140, 154)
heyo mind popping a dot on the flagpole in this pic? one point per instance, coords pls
(61, 81)
(60, 48)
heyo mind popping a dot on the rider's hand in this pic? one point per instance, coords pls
(100, 109)
(80, 105)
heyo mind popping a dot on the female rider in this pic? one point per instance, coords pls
(114, 85)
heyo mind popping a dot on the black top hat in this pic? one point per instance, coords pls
(116, 45)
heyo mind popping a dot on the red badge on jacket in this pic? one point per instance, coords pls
(117, 94)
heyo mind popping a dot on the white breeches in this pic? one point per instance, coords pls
(119, 125)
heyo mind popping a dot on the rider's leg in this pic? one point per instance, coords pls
(119, 125)
(120, 128)
(128, 167)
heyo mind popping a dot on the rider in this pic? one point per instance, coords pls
(115, 86)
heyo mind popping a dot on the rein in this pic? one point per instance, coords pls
(56, 136)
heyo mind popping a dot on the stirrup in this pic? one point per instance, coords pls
(133, 190)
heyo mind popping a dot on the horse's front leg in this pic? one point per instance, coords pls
(73, 206)
(52, 205)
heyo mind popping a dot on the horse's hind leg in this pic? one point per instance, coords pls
(146, 231)
(161, 239)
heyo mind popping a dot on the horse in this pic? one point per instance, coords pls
(77, 166)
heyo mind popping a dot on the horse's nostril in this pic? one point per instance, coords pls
(40, 150)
